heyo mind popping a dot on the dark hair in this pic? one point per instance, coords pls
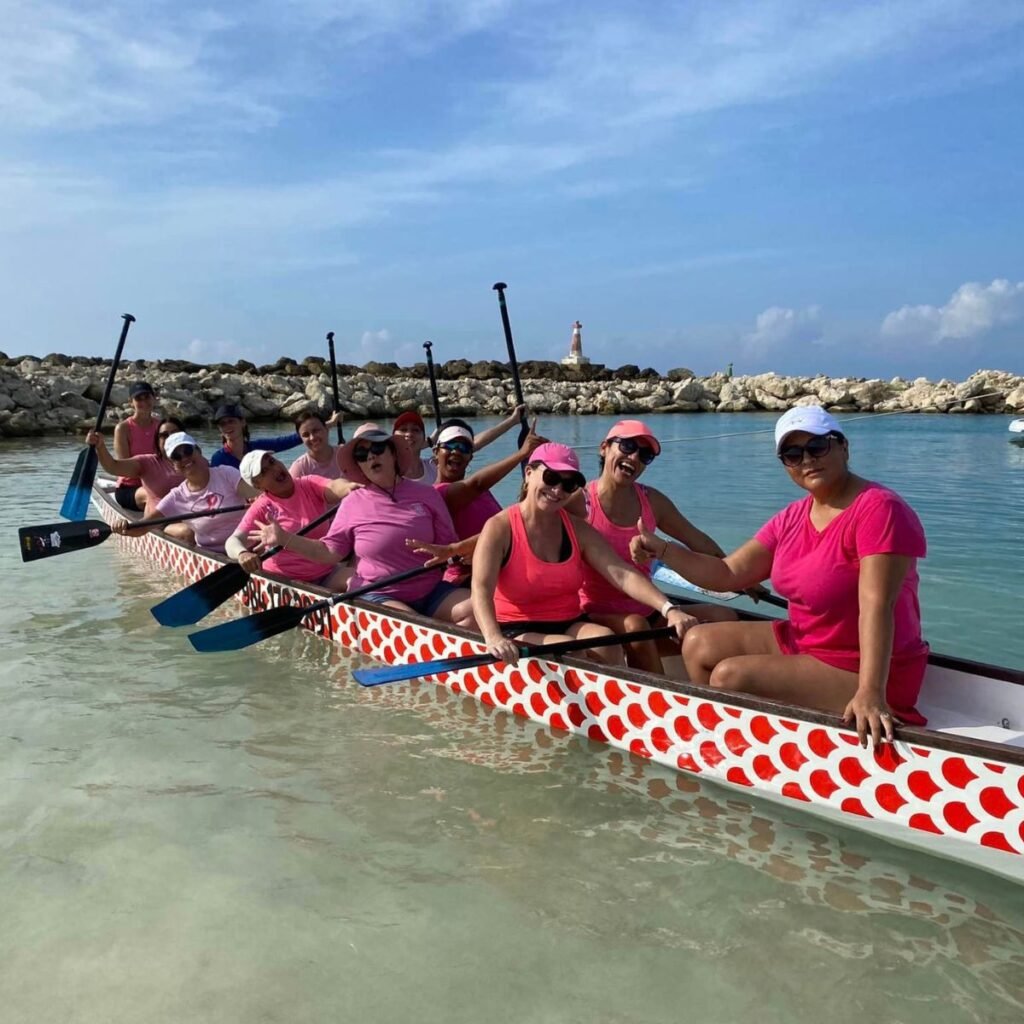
(307, 414)
(167, 419)
(455, 422)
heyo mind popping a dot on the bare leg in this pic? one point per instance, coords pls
(743, 656)
(338, 580)
(181, 531)
(580, 631)
(457, 608)
(644, 655)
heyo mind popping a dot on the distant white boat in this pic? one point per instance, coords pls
(1017, 431)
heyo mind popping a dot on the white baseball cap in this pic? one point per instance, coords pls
(811, 419)
(452, 432)
(252, 465)
(175, 441)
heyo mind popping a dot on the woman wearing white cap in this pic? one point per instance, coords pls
(203, 488)
(285, 504)
(374, 524)
(846, 558)
(529, 562)
(612, 504)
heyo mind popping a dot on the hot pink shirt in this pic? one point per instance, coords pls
(597, 594)
(220, 492)
(376, 527)
(306, 503)
(157, 475)
(819, 573)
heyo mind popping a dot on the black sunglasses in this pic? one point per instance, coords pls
(183, 451)
(816, 448)
(462, 447)
(629, 445)
(374, 448)
(570, 483)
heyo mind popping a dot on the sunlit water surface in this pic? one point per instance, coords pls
(253, 837)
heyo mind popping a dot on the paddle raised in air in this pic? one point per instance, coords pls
(188, 606)
(51, 539)
(513, 363)
(428, 345)
(244, 632)
(76, 497)
(334, 382)
(398, 673)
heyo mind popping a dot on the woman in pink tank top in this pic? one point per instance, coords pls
(613, 504)
(529, 562)
(845, 556)
(135, 436)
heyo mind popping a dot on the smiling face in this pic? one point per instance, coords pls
(453, 459)
(232, 430)
(190, 463)
(622, 467)
(820, 474)
(314, 437)
(142, 405)
(544, 488)
(380, 466)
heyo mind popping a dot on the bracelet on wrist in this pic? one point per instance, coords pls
(666, 608)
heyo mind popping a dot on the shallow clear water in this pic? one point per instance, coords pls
(252, 837)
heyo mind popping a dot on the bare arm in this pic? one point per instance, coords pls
(485, 437)
(118, 467)
(495, 538)
(881, 577)
(339, 489)
(460, 494)
(122, 442)
(672, 522)
(747, 565)
(440, 553)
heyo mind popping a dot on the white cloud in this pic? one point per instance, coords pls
(973, 311)
(200, 350)
(777, 327)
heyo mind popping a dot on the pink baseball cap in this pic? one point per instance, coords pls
(559, 457)
(637, 429)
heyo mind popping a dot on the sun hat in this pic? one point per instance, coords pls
(372, 432)
(811, 419)
(410, 416)
(229, 411)
(140, 387)
(252, 465)
(453, 432)
(559, 457)
(174, 441)
(634, 428)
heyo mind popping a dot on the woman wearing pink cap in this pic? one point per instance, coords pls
(613, 504)
(846, 558)
(374, 524)
(529, 563)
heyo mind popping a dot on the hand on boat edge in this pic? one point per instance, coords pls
(872, 717)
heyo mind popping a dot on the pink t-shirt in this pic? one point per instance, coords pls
(819, 573)
(220, 492)
(306, 503)
(305, 466)
(157, 475)
(376, 527)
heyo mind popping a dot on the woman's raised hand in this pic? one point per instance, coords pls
(95, 438)
(268, 533)
(645, 545)
(439, 553)
(532, 441)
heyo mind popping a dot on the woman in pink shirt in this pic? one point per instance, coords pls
(846, 558)
(321, 457)
(154, 474)
(132, 437)
(374, 524)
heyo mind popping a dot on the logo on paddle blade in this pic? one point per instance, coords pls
(55, 539)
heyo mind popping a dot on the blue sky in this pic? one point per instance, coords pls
(806, 187)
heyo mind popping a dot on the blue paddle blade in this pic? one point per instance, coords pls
(188, 606)
(398, 673)
(239, 633)
(76, 497)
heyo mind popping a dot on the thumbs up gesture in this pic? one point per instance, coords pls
(645, 545)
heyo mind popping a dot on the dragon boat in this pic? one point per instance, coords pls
(954, 789)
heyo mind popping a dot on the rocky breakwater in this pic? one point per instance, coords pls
(61, 394)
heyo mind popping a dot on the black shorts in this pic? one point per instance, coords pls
(540, 625)
(124, 495)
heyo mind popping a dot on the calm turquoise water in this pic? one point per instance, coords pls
(253, 837)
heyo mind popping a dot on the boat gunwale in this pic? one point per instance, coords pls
(912, 735)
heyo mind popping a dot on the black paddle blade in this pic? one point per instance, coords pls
(50, 539)
(76, 497)
(239, 633)
(188, 606)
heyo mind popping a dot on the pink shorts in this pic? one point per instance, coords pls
(902, 688)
